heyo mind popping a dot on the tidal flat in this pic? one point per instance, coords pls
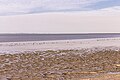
(61, 65)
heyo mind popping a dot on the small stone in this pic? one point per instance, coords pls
(117, 65)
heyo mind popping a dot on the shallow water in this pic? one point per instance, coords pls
(46, 37)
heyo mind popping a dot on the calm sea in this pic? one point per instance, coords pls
(46, 37)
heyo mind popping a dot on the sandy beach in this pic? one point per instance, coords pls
(85, 59)
(59, 39)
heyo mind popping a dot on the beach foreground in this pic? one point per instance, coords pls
(94, 59)
(61, 65)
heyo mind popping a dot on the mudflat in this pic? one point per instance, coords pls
(80, 64)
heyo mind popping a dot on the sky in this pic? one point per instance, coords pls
(59, 16)
(15, 7)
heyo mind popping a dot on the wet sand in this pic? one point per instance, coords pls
(17, 47)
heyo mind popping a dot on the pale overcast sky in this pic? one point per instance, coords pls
(59, 16)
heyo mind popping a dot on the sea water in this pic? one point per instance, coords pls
(47, 37)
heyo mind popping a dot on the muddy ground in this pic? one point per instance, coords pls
(61, 65)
